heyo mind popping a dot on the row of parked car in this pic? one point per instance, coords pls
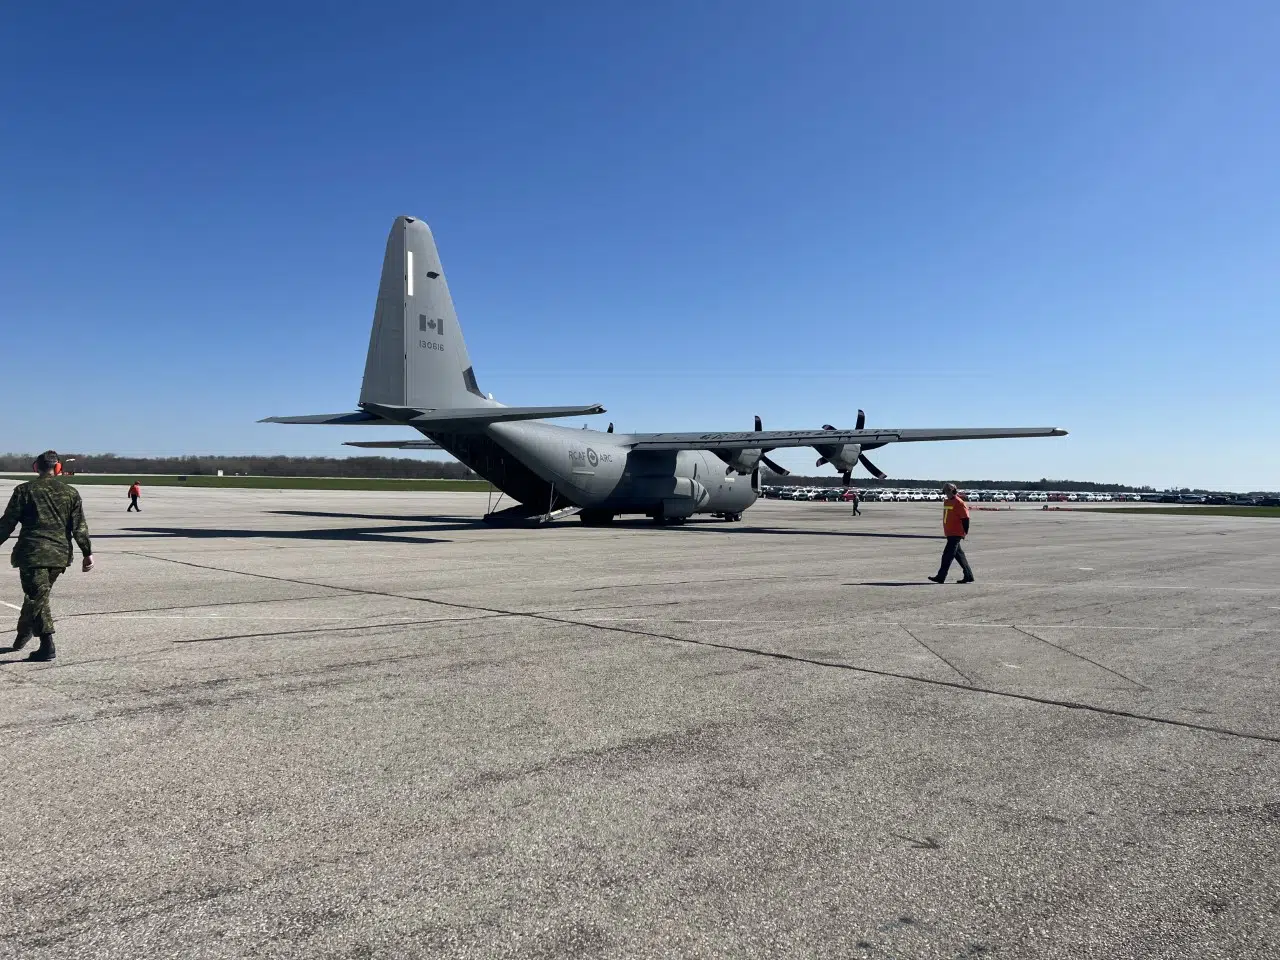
(811, 493)
(899, 496)
(1011, 496)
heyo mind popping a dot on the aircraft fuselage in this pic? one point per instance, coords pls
(544, 465)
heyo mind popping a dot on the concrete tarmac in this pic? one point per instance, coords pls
(313, 724)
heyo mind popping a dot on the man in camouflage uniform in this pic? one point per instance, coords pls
(51, 516)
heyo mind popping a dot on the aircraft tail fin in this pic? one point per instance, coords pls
(417, 357)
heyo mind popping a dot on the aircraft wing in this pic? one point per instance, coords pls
(395, 444)
(772, 439)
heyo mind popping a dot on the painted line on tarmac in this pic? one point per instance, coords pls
(12, 606)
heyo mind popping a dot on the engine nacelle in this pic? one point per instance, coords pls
(741, 461)
(843, 457)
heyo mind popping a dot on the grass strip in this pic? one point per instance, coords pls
(272, 483)
(1198, 511)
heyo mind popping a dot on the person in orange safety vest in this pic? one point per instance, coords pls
(135, 492)
(955, 525)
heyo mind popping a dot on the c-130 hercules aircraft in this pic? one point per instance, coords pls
(418, 374)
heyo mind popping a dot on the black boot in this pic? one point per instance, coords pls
(21, 640)
(46, 651)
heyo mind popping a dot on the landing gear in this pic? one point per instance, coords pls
(729, 517)
(596, 518)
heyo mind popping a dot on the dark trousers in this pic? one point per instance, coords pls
(37, 582)
(133, 505)
(953, 551)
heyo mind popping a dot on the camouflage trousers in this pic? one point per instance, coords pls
(37, 583)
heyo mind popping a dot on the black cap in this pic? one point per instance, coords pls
(46, 461)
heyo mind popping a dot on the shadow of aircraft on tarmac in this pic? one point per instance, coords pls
(328, 515)
(393, 529)
(389, 534)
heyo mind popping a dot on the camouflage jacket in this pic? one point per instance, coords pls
(51, 516)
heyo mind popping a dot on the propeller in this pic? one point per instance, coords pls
(780, 471)
(846, 475)
(747, 460)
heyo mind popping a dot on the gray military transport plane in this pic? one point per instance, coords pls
(418, 375)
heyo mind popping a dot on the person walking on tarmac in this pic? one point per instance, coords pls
(135, 492)
(955, 524)
(52, 516)
(853, 499)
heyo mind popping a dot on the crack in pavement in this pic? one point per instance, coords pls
(757, 652)
(1080, 656)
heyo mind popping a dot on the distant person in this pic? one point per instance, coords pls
(52, 516)
(955, 524)
(853, 499)
(135, 492)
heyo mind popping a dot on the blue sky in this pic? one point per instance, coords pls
(948, 214)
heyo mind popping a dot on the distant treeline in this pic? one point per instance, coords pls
(1064, 486)
(397, 468)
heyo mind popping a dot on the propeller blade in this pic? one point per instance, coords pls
(821, 461)
(780, 471)
(872, 468)
(846, 478)
(862, 420)
(827, 426)
(759, 424)
(755, 478)
(610, 430)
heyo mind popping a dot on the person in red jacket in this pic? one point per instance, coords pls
(955, 525)
(135, 492)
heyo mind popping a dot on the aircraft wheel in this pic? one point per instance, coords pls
(596, 518)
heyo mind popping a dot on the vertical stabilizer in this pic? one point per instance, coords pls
(417, 357)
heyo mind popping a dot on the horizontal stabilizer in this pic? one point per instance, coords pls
(478, 416)
(394, 444)
(446, 419)
(356, 417)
